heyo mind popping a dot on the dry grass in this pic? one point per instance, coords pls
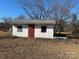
(3, 34)
(22, 48)
(66, 33)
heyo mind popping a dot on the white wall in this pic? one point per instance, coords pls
(48, 34)
(38, 34)
(20, 34)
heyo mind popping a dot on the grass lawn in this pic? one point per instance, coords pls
(23, 48)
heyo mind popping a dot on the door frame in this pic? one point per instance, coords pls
(31, 30)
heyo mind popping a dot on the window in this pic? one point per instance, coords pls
(43, 28)
(19, 29)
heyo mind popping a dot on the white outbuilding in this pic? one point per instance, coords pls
(33, 28)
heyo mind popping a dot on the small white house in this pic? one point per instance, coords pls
(33, 28)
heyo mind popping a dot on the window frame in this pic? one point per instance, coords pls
(43, 29)
(19, 28)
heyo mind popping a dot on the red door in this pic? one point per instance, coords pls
(31, 30)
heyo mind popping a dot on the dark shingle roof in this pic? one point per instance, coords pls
(19, 22)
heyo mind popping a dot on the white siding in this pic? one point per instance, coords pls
(48, 34)
(20, 34)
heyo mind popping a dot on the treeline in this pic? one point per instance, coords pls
(5, 23)
(71, 25)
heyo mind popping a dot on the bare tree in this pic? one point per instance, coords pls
(74, 24)
(62, 11)
(7, 19)
(6, 23)
(37, 9)
(20, 17)
(49, 9)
